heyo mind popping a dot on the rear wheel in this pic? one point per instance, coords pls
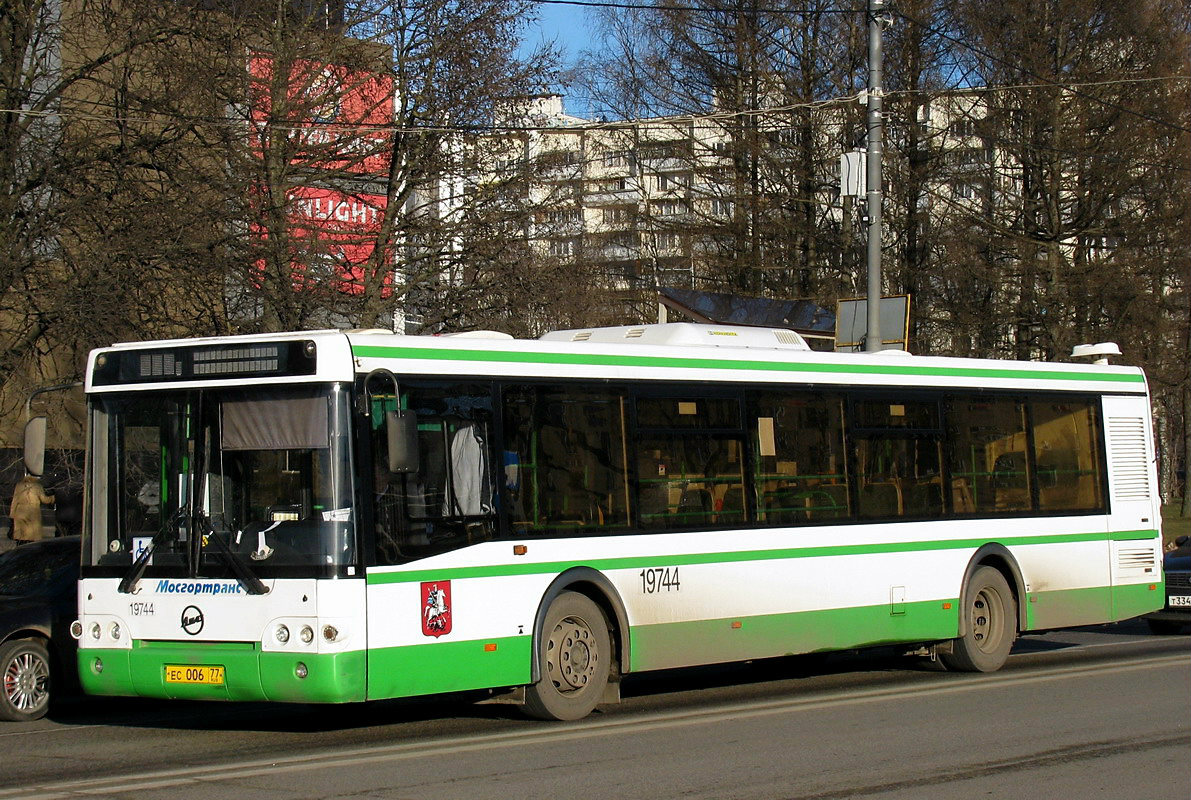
(575, 656)
(24, 680)
(990, 624)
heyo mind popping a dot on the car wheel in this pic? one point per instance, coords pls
(24, 680)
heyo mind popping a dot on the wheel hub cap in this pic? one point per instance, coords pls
(26, 680)
(984, 621)
(572, 658)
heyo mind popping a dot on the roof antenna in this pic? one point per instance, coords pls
(1099, 352)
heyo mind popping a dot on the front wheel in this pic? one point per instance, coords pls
(991, 624)
(25, 672)
(575, 656)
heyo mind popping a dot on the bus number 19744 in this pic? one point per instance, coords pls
(659, 580)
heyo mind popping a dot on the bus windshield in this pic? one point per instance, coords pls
(210, 477)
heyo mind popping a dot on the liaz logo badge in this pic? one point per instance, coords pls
(192, 620)
(436, 608)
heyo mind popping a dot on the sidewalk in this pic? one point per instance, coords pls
(7, 544)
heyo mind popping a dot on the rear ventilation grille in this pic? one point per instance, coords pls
(634, 333)
(581, 336)
(1137, 558)
(1130, 467)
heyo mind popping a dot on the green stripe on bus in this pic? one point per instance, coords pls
(1134, 599)
(1065, 608)
(674, 644)
(674, 362)
(443, 665)
(687, 559)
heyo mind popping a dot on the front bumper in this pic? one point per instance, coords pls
(249, 673)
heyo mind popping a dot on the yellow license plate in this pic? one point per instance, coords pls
(185, 673)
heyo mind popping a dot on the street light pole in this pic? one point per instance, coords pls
(876, 13)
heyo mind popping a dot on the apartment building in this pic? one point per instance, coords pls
(666, 201)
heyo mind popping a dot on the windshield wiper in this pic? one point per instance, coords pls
(246, 577)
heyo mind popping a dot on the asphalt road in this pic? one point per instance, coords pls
(1089, 713)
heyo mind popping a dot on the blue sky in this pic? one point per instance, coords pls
(572, 28)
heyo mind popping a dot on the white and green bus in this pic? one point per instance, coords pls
(339, 516)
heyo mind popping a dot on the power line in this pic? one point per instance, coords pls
(365, 127)
(626, 124)
(696, 9)
(980, 51)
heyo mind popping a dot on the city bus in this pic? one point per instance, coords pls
(342, 516)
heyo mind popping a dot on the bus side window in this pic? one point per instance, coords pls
(799, 459)
(564, 465)
(899, 458)
(1067, 456)
(690, 465)
(986, 440)
(449, 501)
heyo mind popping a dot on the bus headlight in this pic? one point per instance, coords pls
(96, 631)
(330, 633)
(306, 634)
(282, 634)
(115, 630)
(76, 630)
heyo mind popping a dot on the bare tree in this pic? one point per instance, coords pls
(756, 216)
(67, 158)
(1090, 133)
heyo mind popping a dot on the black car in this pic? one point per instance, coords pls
(1177, 566)
(38, 601)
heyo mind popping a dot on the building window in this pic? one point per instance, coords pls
(610, 185)
(669, 241)
(963, 128)
(562, 248)
(722, 208)
(672, 181)
(560, 216)
(615, 158)
(559, 158)
(616, 215)
(669, 208)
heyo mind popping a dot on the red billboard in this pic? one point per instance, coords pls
(332, 233)
(334, 118)
(334, 123)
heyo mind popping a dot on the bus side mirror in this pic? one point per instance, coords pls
(401, 431)
(35, 430)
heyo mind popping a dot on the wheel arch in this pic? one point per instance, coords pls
(594, 585)
(28, 632)
(999, 558)
(36, 634)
